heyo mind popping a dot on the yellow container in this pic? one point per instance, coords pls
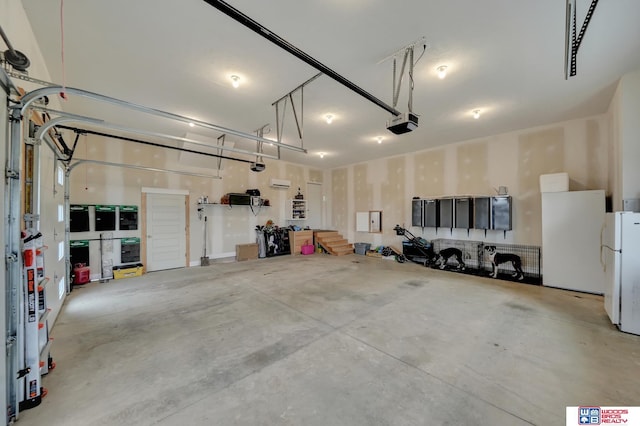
(134, 271)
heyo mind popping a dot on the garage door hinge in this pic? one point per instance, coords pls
(11, 340)
(31, 217)
(11, 258)
(11, 174)
(32, 141)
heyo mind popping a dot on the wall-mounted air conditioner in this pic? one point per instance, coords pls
(279, 183)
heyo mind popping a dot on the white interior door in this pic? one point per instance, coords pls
(314, 205)
(166, 231)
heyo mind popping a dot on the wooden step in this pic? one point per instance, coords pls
(333, 237)
(334, 243)
(338, 241)
(342, 247)
(324, 234)
(343, 251)
(342, 244)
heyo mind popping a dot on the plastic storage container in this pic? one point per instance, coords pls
(361, 248)
(81, 274)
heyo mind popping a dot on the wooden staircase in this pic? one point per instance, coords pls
(333, 243)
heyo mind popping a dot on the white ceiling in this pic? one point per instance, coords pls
(505, 57)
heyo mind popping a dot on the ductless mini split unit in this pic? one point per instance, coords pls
(279, 183)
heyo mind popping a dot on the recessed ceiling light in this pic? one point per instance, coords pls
(476, 113)
(321, 154)
(379, 139)
(191, 125)
(442, 71)
(235, 81)
(329, 118)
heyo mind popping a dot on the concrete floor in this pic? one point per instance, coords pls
(323, 340)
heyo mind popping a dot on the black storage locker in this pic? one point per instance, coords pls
(105, 218)
(79, 252)
(464, 213)
(431, 213)
(129, 250)
(78, 218)
(128, 218)
(482, 213)
(417, 217)
(446, 212)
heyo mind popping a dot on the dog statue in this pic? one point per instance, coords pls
(500, 258)
(443, 256)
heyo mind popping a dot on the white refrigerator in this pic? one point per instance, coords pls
(571, 226)
(621, 258)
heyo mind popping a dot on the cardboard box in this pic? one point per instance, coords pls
(246, 252)
(373, 253)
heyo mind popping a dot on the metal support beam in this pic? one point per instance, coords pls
(67, 227)
(79, 161)
(175, 148)
(573, 41)
(57, 122)
(13, 274)
(31, 97)
(234, 13)
(6, 83)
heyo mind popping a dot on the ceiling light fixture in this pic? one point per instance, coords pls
(235, 81)
(442, 71)
(321, 154)
(191, 125)
(476, 113)
(328, 118)
(379, 139)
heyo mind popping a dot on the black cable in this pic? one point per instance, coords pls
(124, 138)
(234, 13)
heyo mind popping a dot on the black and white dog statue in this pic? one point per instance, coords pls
(500, 258)
(443, 256)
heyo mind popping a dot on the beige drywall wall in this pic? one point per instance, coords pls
(515, 160)
(316, 176)
(362, 188)
(630, 135)
(393, 204)
(340, 201)
(614, 184)
(624, 140)
(429, 173)
(99, 184)
(472, 166)
(540, 152)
